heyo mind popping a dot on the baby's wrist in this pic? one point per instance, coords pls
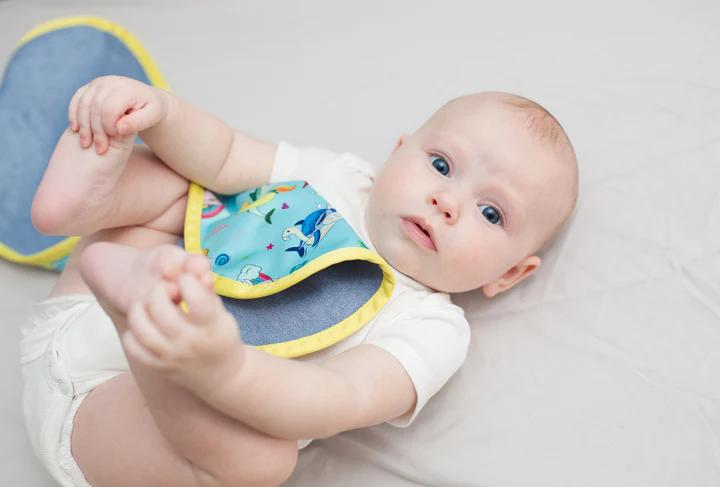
(166, 102)
(206, 377)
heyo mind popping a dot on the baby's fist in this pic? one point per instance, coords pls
(113, 107)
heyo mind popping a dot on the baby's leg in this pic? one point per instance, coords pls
(82, 192)
(142, 429)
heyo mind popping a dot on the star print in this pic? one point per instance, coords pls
(284, 206)
(269, 246)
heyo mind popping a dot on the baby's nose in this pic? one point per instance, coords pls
(446, 206)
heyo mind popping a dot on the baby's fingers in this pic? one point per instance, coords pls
(98, 110)
(73, 108)
(144, 341)
(162, 310)
(83, 115)
(118, 104)
(202, 301)
(142, 116)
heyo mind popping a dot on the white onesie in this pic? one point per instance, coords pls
(69, 345)
(420, 327)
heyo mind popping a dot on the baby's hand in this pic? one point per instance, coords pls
(113, 107)
(199, 349)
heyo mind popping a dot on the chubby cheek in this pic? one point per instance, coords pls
(470, 267)
(462, 273)
(392, 190)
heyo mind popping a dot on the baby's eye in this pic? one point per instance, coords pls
(440, 164)
(492, 215)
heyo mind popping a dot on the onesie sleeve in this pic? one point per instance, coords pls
(430, 340)
(322, 168)
(285, 165)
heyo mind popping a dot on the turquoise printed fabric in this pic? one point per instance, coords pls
(264, 234)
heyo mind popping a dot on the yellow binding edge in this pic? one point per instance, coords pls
(312, 343)
(46, 257)
(131, 42)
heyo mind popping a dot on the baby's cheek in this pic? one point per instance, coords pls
(469, 269)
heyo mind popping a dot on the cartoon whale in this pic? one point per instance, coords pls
(312, 229)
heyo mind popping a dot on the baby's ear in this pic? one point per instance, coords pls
(517, 273)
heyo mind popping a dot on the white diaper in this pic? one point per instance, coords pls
(68, 347)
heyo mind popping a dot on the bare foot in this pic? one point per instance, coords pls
(77, 191)
(119, 274)
(200, 346)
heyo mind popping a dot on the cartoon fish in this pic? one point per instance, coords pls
(262, 196)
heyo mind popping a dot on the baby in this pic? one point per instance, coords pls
(170, 395)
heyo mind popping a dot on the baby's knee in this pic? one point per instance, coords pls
(270, 468)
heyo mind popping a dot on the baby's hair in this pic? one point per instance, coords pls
(539, 120)
(546, 127)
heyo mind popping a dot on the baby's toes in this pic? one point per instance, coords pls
(169, 261)
(196, 264)
(199, 266)
(203, 304)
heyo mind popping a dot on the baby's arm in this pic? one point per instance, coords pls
(186, 333)
(194, 143)
(203, 148)
(363, 386)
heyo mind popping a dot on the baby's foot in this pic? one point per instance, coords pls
(119, 274)
(77, 192)
(199, 348)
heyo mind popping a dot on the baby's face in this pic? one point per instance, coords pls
(483, 186)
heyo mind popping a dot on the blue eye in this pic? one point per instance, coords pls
(440, 164)
(492, 215)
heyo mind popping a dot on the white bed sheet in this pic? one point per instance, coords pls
(604, 368)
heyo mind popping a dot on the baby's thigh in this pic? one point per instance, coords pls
(116, 442)
(149, 193)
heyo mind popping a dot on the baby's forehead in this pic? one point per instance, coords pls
(496, 125)
(497, 145)
(515, 112)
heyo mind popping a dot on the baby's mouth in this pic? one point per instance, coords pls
(419, 231)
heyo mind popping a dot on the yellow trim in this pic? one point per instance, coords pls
(134, 46)
(312, 343)
(193, 218)
(61, 249)
(43, 258)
